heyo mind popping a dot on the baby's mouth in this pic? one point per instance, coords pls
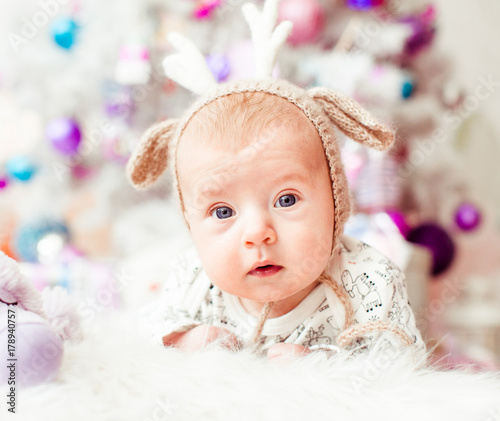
(265, 270)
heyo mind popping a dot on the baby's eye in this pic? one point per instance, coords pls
(286, 201)
(222, 212)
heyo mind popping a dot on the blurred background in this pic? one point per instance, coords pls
(81, 80)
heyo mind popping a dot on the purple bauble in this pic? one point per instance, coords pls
(364, 4)
(38, 349)
(423, 31)
(219, 66)
(437, 240)
(467, 217)
(64, 134)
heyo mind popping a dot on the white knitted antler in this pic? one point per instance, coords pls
(188, 67)
(267, 37)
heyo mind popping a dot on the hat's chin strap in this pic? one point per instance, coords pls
(342, 295)
(262, 320)
(347, 338)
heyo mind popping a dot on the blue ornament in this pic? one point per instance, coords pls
(407, 89)
(27, 237)
(64, 31)
(21, 168)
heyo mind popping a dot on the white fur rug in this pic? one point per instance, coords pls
(112, 375)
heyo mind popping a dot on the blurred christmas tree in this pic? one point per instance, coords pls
(81, 80)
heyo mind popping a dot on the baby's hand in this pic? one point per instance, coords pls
(287, 351)
(200, 336)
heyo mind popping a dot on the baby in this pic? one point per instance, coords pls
(262, 189)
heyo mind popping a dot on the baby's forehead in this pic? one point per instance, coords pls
(248, 126)
(241, 115)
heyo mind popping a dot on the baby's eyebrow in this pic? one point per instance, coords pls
(212, 185)
(215, 181)
(292, 176)
(210, 191)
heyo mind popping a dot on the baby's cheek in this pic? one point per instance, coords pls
(311, 253)
(221, 261)
(315, 241)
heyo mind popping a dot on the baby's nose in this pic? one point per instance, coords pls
(258, 230)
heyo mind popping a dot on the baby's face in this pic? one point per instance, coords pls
(261, 217)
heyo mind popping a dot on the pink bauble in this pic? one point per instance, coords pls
(206, 8)
(38, 350)
(4, 182)
(399, 220)
(307, 17)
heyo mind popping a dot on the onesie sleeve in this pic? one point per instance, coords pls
(377, 289)
(177, 308)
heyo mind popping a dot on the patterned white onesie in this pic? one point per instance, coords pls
(374, 284)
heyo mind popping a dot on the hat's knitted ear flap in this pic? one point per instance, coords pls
(353, 120)
(150, 158)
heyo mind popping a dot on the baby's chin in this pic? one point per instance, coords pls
(261, 293)
(268, 295)
(267, 298)
(276, 288)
